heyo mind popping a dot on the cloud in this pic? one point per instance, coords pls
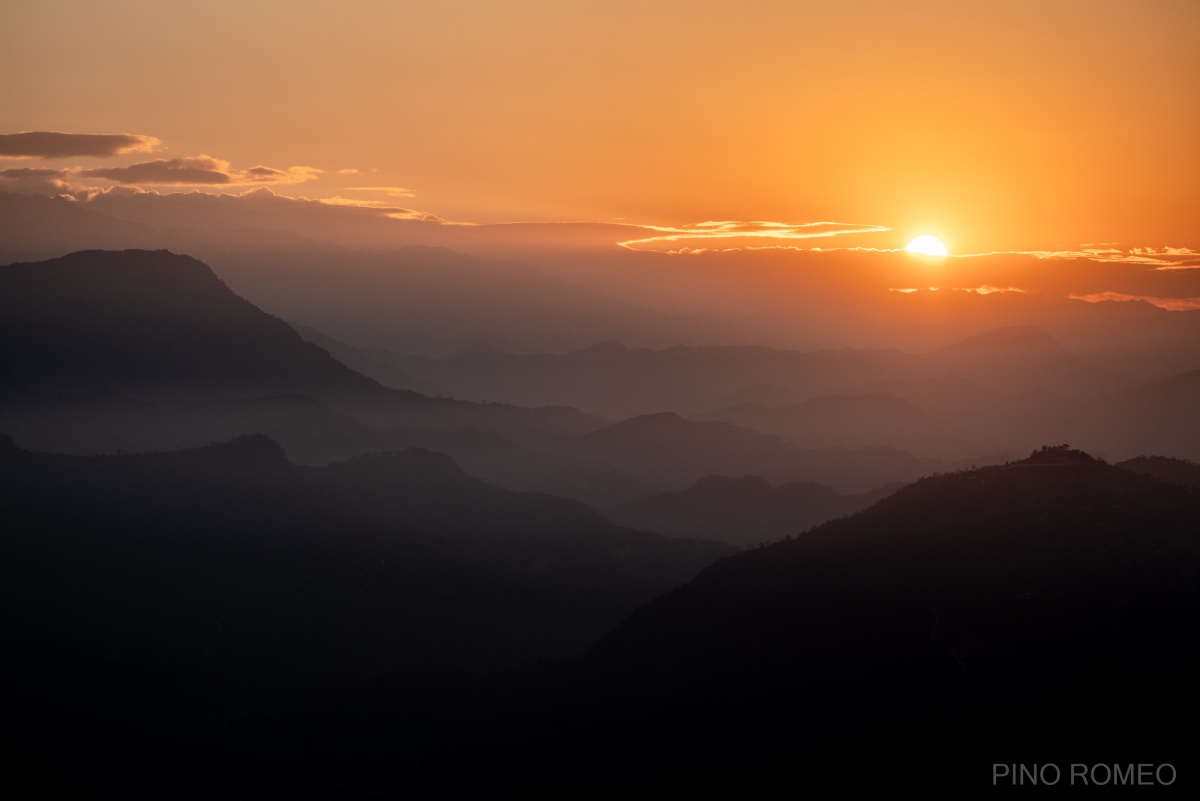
(750, 233)
(988, 289)
(34, 181)
(56, 145)
(390, 191)
(1170, 304)
(984, 289)
(186, 171)
(200, 171)
(1164, 258)
(269, 175)
(338, 200)
(386, 207)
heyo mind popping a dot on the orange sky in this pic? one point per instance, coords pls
(995, 125)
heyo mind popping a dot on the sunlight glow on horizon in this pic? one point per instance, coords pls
(927, 246)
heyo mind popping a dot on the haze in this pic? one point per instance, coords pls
(461, 399)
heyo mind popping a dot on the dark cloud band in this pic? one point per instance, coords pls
(200, 170)
(55, 145)
(33, 181)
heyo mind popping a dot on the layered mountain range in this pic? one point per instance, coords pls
(255, 559)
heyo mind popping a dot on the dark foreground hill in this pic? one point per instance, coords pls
(1040, 612)
(1043, 611)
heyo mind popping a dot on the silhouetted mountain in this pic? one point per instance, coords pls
(613, 380)
(744, 510)
(152, 326)
(1022, 359)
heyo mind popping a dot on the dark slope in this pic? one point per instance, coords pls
(1052, 525)
(1040, 611)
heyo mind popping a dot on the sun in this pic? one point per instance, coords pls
(927, 246)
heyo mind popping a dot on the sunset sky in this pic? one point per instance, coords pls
(994, 125)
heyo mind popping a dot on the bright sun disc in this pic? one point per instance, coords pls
(927, 246)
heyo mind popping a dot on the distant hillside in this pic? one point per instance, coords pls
(855, 421)
(1159, 417)
(668, 453)
(1172, 471)
(1022, 359)
(743, 510)
(616, 381)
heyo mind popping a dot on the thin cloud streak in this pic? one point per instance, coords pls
(387, 206)
(984, 289)
(1164, 258)
(756, 229)
(1170, 304)
(390, 191)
